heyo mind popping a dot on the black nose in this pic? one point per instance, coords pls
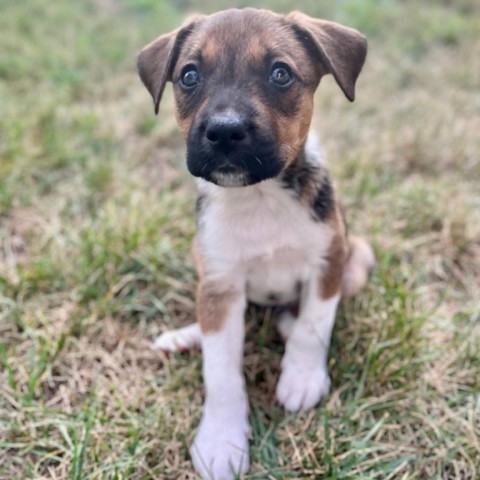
(226, 130)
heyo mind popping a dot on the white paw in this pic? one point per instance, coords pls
(220, 449)
(179, 340)
(302, 388)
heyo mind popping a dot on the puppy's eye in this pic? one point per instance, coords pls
(190, 77)
(281, 75)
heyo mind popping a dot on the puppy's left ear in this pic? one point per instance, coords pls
(156, 61)
(341, 50)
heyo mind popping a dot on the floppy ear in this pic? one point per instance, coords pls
(342, 50)
(156, 61)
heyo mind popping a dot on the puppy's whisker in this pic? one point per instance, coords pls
(258, 160)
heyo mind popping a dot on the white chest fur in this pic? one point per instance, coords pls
(263, 238)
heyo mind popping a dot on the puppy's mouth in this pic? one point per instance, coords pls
(228, 175)
(228, 169)
(229, 180)
(238, 169)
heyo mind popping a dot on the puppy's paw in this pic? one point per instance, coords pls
(301, 388)
(179, 340)
(220, 449)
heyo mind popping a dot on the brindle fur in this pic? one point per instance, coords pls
(312, 186)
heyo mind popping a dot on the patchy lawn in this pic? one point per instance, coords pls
(96, 220)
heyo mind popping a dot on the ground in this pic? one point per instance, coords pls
(96, 221)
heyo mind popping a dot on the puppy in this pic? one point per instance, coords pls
(269, 227)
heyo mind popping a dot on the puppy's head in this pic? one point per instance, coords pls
(244, 82)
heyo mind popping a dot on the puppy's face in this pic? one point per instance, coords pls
(244, 82)
(244, 93)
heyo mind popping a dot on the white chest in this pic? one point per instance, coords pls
(277, 280)
(264, 237)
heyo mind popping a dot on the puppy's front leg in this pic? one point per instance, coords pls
(220, 449)
(304, 378)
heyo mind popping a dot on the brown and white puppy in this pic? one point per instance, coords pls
(269, 227)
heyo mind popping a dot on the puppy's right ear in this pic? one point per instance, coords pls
(156, 61)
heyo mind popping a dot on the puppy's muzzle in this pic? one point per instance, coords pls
(224, 133)
(227, 148)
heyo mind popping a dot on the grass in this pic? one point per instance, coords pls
(96, 220)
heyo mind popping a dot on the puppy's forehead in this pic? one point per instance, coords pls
(243, 33)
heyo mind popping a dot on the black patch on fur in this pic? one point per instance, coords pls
(324, 200)
(298, 176)
(256, 157)
(311, 182)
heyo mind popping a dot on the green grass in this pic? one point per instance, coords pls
(96, 221)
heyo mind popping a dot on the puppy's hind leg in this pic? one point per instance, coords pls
(179, 340)
(358, 268)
